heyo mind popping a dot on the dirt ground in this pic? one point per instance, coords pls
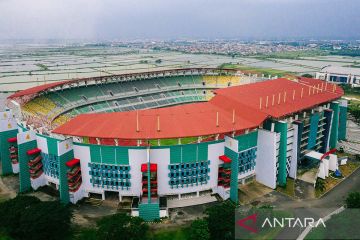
(304, 190)
(87, 213)
(248, 193)
(5, 191)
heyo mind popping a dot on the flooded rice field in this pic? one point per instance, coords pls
(24, 66)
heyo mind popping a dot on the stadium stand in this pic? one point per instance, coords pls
(57, 107)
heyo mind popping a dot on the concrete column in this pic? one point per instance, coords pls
(352, 80)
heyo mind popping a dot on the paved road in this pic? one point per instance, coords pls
(315, 208)
(325, 205)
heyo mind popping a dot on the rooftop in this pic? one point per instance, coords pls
(341, 70)
(232, 109)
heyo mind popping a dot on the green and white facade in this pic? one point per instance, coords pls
(283, 144)
(271, 153)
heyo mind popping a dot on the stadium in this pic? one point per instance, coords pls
(169, 138)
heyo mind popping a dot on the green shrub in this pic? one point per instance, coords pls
(122, 226)
(26, 217)
(353, 200)
(221, 220)
(199, 230)
(320, 185)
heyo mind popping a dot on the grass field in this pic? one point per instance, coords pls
(180, 233)
(173, 141)
(340, 226)
(293, 55)
(256, 70)
(351, 92)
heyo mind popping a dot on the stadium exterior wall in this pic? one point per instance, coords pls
(271, 153)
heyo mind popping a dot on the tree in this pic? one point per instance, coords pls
(11, 211)
(46, 220)
(353, 200)
(121, 226)
(199, 230)
(307, 75)
(86, 234)
(221, 220)
(26, 217)
(158, 61)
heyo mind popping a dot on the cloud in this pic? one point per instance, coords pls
(128, 19)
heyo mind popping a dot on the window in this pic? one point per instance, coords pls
(188, 174)
(109, 175)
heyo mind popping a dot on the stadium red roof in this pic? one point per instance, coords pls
(286, 94)
(36, 89)
(200, 119)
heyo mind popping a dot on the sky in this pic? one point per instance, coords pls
(179, 19)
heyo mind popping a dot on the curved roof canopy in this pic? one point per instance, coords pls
(129, 76)
(232, 109)
(37, 89)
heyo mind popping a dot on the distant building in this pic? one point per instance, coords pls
(340, 75)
